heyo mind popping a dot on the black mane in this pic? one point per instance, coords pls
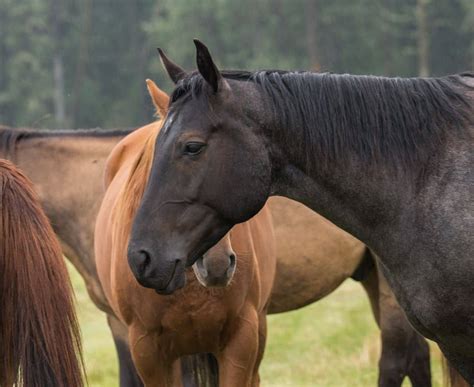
(9, 137)
(400, 121)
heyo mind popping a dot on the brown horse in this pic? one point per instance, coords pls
(39, 334)
(58, 161)
(227, 322)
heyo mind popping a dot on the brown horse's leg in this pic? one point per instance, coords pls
(262, 339)
(404, 351)
(128, 374)
(154, 371)
(237, 360)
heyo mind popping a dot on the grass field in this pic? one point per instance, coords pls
(333, 343)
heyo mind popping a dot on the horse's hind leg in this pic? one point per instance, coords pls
(128, 374)
(404, 351)
(419, 370)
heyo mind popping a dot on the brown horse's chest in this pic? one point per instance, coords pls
(194, 319)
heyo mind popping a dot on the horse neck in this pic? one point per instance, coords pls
(358, 204)
(364, 152)
(366, 199)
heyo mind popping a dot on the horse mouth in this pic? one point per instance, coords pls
(176, 281)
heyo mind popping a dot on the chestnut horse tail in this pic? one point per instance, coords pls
(39, 334)
(451, 377)
(200, 370)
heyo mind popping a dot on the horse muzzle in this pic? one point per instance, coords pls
(164, 277)
(215, 271)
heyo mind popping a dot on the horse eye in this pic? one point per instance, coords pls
(193, 148)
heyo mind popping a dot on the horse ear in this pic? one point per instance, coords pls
(175, 72)
(207, 68)
(159, 98)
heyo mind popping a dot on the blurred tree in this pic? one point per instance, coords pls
(423, 37)
(311, 15)
(25, 87)
(83, 63)
(57, 19)
(452, 36)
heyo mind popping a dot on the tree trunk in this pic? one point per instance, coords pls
(423, 38)
(59, 108)
(311, 10)
(57, 31)
(81, 60)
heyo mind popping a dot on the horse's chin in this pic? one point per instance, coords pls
(177, 282)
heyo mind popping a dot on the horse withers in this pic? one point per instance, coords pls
(226, 320)
(387, 159)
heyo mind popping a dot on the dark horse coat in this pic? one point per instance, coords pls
(387, 159)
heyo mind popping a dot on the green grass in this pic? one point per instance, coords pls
(333, 342)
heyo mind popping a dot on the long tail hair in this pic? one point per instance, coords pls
(39, 334)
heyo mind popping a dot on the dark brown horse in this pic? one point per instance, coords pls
(58, 161)
(387, 159)
(39, 334)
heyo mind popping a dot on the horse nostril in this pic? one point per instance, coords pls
(144, 260)
(140, 260)
(232, 259)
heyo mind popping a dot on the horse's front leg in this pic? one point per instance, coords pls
(404, 351)
(262, 339)
(128, 374)
(154, 370)
(237, 359)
